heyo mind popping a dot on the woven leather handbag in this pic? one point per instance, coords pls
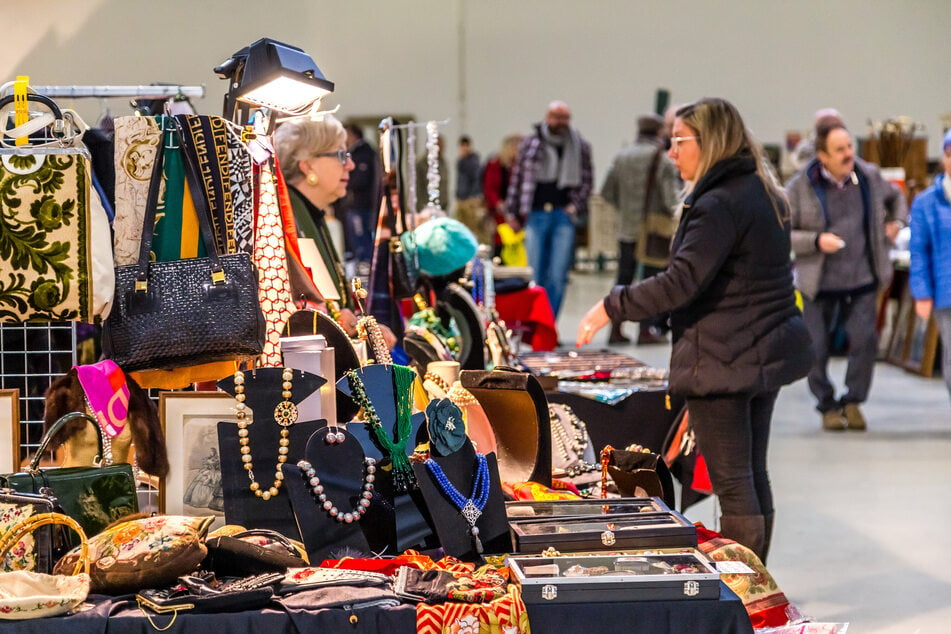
(183, 312)
(93, 496)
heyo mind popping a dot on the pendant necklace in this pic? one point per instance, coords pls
(403, 377)
(285, 414)
(470, 508)
(366, 493)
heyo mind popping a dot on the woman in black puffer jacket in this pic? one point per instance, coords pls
(737, 334)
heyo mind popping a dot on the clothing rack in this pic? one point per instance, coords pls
(416, 124)
(138, 92)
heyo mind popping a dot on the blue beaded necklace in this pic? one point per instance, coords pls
(470, 508)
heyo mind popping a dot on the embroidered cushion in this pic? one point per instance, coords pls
(151, 552)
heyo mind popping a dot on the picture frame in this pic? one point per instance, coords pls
(9, 431)
(190, 421)
(922, 346)
(901, 330)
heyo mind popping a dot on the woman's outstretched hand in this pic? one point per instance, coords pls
(593, 321)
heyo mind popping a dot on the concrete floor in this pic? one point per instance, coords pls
(862, 518)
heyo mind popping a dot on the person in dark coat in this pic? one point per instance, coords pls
(737, 333)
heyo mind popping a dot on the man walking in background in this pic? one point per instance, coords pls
(548, 194)
(641, 180)
(844, 218)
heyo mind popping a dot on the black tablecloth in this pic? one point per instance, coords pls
(724, 616)
(641, 418)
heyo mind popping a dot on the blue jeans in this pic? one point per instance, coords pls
(550, 243)
(943, 317)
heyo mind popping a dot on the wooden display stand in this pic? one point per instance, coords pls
(915, 163)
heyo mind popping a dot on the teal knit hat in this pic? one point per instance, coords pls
(443, 245)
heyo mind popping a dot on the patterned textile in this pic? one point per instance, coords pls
(45, 237)
(136, 139)
(209, 137)
(106, 394)
(23, 555)
(145, 553)
(274, 289)
(535, 491)
(764, 601)
(242, 191)
(505, 615)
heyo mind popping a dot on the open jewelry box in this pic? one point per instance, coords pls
(597, 531)
(651, 576)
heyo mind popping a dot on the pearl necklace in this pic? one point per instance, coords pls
(470, 508)
(366, 494)
(285, 414)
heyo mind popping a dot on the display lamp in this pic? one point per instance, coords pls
(273, 75)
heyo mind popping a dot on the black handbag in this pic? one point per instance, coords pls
(233, 556)
(183, 312)
(93, 496)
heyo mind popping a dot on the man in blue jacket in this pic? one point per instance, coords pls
(844, 218)
(931, 255)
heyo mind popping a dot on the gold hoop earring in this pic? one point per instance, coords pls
(312, 179)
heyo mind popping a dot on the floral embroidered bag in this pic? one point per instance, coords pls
(55, 246)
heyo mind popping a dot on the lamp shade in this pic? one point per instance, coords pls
(274, 75)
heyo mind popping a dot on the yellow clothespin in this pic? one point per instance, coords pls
(21, 107)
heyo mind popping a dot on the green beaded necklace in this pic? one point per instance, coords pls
(403, 377)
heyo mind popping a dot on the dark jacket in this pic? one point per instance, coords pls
(729, 289)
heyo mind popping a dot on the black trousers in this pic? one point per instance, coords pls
(732, 432)
(627, 271)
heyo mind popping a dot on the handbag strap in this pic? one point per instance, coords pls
(30, 524)
(201, 210)
(54, 429)
(651, 179)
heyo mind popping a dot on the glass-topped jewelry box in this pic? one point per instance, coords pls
(654, 576)
(599, 532)
(517, 511)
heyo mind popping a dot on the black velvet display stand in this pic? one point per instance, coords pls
(340, 468)
(515, 404)
(450, 526)
(398, 521)
(262, 390)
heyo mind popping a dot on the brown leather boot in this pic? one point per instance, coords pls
(616, 336)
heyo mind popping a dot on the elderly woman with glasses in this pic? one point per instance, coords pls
(737, 333)
(316, 165)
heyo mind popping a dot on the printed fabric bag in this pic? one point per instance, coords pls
(178, 313)
(55, 245)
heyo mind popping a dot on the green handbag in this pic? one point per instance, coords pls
(93, 496)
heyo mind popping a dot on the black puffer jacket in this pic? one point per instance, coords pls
(729, 290)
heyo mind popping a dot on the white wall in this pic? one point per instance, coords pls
(492, 65)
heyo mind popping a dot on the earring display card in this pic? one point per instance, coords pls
(587, 533)
(664, 576)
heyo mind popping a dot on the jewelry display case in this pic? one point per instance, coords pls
(654, 576)
(592, 532)
(536, 509)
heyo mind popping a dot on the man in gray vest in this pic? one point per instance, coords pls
(844, 219)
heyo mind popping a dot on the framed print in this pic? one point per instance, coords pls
(9, 431)
(901, 327)
(190, 420)
(922, 345)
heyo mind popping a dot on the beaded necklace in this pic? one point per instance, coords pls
(403, 377)
(366, 493)
(285, 414)
(470, 508)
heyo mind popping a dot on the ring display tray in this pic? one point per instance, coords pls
(592, 533)
(655, 576)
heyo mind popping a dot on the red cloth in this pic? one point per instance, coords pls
(530, 307)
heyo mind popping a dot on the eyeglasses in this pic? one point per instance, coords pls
(341, 155)
(676, 140)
